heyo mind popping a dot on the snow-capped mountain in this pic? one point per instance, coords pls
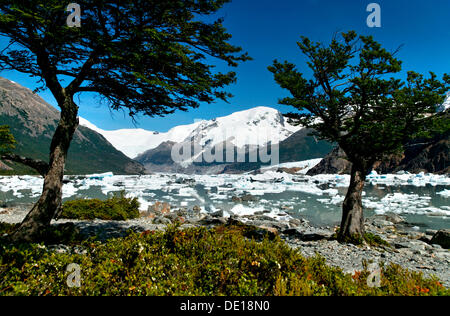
(256, 126)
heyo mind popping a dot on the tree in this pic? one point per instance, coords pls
(147, 57)
(7, 140)
(351, 100)
(7, 143)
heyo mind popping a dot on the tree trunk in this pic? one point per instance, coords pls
(38, 219)
(352, 224)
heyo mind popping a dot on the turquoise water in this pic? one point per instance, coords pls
(420, 206)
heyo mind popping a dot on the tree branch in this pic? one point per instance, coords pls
(85, 69)
(38, 165)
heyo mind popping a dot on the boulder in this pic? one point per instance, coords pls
(442, 238)
(162, 220)
(333, 163)
(307, 235)
(260, 232)
(218, 213)
(244, 198)
(159, 208)
(420, 155)
(212, 221)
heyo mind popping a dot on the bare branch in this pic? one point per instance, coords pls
(38, 165)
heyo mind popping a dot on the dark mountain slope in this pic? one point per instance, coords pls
(32, 122)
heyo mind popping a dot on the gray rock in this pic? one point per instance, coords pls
(212, 221)
(436, 246)
(295, 222)
(443, 254)
(303, 235)
(392, 217)
(442, 238)
(381, 222)
(182, 212)
(162, 220)
(244, 198)
(218, 213)
(59, 248)
(401, 245)
(172, 217)
(279, 225)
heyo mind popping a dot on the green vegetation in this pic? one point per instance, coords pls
(66, 234)
(195, 261)
(351, 98)
(118, 207)
(375, 240)
(7, 140)
(116, 63)
(368, 238)
(6, 228)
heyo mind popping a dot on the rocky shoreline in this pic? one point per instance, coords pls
(425, 252)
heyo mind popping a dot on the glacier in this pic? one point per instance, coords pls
(256, 126)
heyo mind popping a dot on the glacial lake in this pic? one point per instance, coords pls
(423, 200)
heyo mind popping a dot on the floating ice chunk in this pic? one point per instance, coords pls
(242, 210)
(69, 190)
(331, 192)
(143, 204)
(445, 193)
(335, 200)
(99, 176)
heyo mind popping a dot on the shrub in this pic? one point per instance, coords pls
(6, 228)
(118, 207)
(369, 238)
(375, 240)
(194, 261)
(66, 233)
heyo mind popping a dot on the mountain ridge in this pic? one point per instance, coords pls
(33, 121)
(255, 126)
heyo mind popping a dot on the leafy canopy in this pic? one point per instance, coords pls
(149, 57)
(7, 140)
(351, 100)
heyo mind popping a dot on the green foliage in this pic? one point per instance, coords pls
(66, 234)
(375, 240)
(56, 234)
(7, 140)
(6, 228)
(150, 57)
(194, 261)
(369, 239)
(118, 207)
(351, 100)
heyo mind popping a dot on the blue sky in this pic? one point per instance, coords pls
(269, 29)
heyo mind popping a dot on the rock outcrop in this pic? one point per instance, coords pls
(420, 155)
